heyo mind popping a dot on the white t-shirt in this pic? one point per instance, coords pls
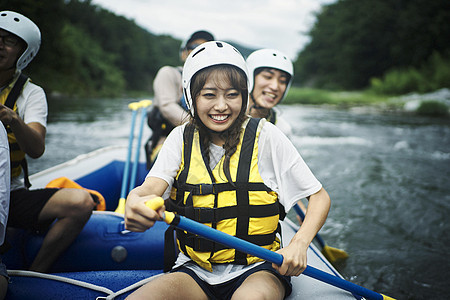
(282, 124)
(168, 92)
(281, 168)
(32, 107)
(5, 181)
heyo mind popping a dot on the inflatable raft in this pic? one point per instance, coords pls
(108, 262)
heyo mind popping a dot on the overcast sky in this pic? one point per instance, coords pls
(278, 24)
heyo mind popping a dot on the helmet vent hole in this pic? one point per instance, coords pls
(219, 44)
(3, 15)
(17, 19)
(203, 48)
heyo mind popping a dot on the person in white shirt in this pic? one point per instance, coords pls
(23, 111)
(271, 73)
(5, 183)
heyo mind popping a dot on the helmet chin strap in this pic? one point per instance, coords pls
(256, 106)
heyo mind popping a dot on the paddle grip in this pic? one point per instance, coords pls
(156, 203)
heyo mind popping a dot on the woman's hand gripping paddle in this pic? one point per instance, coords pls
(247, 247)
(332, 254)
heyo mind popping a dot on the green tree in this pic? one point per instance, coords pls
(355, 40)
(139, 53)
(87, 50)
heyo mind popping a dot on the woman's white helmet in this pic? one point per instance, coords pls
(24, 28)
(270, 58)
(206, 55)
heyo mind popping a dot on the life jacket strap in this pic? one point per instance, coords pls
(10, 102)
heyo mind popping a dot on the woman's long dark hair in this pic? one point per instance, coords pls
(238, 80)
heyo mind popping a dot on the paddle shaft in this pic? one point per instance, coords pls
(247, 247)
(143, 104)
(273, 257)
(126, 170)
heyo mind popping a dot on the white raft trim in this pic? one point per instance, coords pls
(81, 165)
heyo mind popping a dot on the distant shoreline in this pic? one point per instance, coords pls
(433, 104)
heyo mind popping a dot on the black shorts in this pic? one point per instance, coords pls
(226, 290)
(25, 206)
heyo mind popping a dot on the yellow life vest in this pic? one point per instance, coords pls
(247, 208)
(17, 156)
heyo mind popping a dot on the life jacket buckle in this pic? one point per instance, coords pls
(207, 189)
(204, 214)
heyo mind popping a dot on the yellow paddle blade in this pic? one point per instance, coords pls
(145, 103)
(334, 254)
(121, 206)
(134, 105)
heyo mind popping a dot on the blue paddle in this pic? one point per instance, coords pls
(247, 247)
(332, 254)
(134, 106)
(143, 104)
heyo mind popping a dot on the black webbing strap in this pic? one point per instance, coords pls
(188, 136)
(272, 118)
(243, 174)
(169, 243)
(10, 102)
(170, 251)
(215, 215)
(217, 188)
(15, 91)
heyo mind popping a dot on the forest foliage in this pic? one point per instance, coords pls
(391, 46)
(89, 51)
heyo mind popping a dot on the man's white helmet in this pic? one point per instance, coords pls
(270, 58)
(24, 28)
(206, 55)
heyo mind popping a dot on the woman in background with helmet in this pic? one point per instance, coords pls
(254, 175)
(271, 72)
(23, 111)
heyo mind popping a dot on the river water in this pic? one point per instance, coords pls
(387, 175)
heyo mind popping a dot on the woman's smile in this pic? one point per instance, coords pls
(220, 118)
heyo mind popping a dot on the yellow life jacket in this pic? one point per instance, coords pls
(8, 97)
(247, 208)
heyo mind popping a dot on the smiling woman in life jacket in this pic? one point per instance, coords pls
(23, 111)
(170, 108)
(237, 174)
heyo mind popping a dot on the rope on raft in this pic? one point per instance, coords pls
(110, 294)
